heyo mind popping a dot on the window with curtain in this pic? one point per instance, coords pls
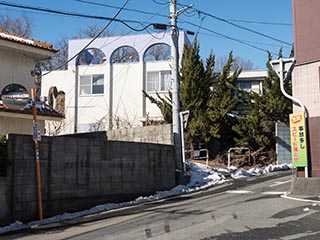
(91, 84)
(158, 81)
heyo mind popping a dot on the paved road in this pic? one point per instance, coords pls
(243, 209)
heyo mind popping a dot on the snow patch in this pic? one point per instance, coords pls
(201, 177)
(16, 38)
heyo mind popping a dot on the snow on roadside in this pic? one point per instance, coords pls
(201, 177)
(241, 173)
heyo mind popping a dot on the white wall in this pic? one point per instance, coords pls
(64, 81)
(16, 68)
(122, 104)
(127, 81)
(18, 125)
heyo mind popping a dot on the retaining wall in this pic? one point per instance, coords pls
(153, 134)
(80, 171)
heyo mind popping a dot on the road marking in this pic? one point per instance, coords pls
(273, 193)
(239, 191)
(299, 199)
(279, 183)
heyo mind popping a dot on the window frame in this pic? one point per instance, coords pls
(244, 85)
(94, 78)
(162, 84)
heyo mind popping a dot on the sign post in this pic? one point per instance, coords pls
(36, 139)
(183, 124)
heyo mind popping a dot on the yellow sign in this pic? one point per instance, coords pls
(298, 140)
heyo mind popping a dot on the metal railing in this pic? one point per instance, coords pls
(237, 148)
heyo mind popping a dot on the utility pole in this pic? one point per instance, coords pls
(35, 93)
(175, 84)
(175, 80)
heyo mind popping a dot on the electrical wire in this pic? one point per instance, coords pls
(91, 41)
(47, 10)
(115, 7)
(253, 42)
(263, 23)
(142, 29)
(160, 3)
(231, 38)
(241, 27)
(107, 25)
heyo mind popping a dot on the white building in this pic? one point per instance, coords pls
(111, 74)
(252, 80)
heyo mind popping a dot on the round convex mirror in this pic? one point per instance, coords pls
(15, 96)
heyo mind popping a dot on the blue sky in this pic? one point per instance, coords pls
(216, 35)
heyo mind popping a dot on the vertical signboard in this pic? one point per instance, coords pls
(298, 139)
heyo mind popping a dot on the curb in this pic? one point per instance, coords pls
(299, 199)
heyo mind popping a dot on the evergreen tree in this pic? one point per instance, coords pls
(257, 130)
(225, 98)
(196, 80)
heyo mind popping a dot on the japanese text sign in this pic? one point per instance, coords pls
(298, 140)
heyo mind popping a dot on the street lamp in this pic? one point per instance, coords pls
(282, 67)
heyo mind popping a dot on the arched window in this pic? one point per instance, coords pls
(124, 54)
(90, 56)
(157, 52)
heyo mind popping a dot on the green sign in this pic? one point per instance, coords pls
(298, 140)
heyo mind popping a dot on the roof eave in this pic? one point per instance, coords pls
(38, 53)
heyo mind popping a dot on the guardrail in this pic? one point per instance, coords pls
(237, 148)
(196, 154)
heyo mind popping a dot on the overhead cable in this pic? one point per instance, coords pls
(241, 27)
(115, 7)
(259, 22)
(230, 38)
(66, 13)
(92, 40)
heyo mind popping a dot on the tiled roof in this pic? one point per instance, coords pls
(41, 111)
(26, 41)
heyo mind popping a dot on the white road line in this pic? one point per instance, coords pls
(239, 191)
(273, 193)
(279, 183)
(299, 199)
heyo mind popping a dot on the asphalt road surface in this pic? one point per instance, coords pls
(242, 209)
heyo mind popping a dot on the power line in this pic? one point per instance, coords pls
(254, 42)
(160, 3)
(125, 21)
(244, 28)
(47, 10)
(114, 7)
(139, 11)
(241, 27)
(91, 41)
(230, 38)
(259, 22)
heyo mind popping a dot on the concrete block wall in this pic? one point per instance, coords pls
(153, 134)
(4, 208)
(81, 171)
(283, 146)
